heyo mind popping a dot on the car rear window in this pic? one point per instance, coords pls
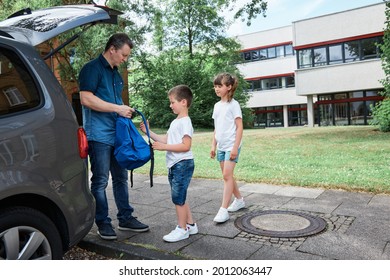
(18, 91)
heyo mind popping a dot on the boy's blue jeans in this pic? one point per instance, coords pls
(179, 176)
(103, 162)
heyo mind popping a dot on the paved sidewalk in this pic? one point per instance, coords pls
(357, 224)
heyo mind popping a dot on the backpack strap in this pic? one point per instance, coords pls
(151, 150)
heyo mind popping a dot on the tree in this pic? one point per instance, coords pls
(381, 111)
(190, 43)
(91, 42)
(193, 51)
(250, 10)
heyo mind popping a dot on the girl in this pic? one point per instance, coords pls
(228, 129)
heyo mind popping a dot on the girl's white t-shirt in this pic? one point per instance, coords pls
(177, 130)
(224, 115)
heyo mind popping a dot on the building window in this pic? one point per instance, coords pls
(255, 55)
(340, 53)
(358, 112)
(271, 83)
(289, 50)
(370, 48)
(267, 53)
(319, 55)
(280, 51)
(14, 96)
(247, 56)
(290, 81)
(305, 58)
(297, 115)
(263, 54)
(335, 54)
(272, 52)
(351, 108)
(269, 116)
(351, 51)
(275, 116)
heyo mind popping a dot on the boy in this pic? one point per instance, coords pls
(179, 160)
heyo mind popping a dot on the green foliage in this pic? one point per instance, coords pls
(193, 54)
(193, 22)
(8, 7)
(251, 10)
(189, 37)
(92, 42)
(151, 81)
(381, 111)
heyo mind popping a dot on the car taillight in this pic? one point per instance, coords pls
(83, 142)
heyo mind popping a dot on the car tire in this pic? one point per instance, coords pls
(27, 234)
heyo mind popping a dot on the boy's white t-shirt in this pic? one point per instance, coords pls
(224, 115)
(177, 130)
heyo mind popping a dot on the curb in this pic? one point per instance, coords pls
(115, 250)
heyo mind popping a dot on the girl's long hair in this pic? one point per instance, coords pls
(227, 80)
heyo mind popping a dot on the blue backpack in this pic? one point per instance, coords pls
(131, 149)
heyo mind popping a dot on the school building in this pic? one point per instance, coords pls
(321, 71)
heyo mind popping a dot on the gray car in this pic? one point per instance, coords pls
(45, 203)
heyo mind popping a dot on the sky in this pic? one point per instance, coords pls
(284, 12)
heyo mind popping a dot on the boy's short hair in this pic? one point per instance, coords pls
(181, 92)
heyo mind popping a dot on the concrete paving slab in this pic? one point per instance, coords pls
(274, 253)
(299, 192)
(260, 188)
(380, 201)
(345, 196)
(312, 205)
(265, 200)
(334, 245)
(377, 226)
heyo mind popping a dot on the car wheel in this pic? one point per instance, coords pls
(27, 234)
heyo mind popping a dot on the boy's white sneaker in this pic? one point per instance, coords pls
(192, 229)
(222, 215)
(236, 205)
(176, 235)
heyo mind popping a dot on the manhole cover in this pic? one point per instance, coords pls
(280, 223)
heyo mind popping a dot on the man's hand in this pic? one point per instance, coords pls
(125, 111)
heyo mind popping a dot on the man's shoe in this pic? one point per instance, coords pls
(106, 232)
(222, 215)
(133, 225)
(176, 235)
(236, 205)
(192, 229)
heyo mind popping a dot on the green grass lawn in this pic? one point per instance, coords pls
(352, 158)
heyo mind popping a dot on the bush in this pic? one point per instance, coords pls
(381, 115)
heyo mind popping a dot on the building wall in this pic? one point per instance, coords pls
(349, 25)
(356, 22)
(267, 37)
(360, 75)
(271, 67)
(311, 82)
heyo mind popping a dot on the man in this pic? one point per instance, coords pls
(101, 96)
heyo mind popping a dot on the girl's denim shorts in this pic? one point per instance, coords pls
(225, 156)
